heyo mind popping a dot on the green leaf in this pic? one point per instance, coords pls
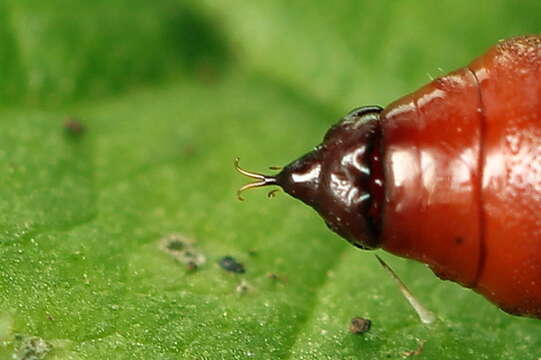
(166, 95)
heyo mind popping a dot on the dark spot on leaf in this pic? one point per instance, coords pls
(183, 250)
(74, 127)
(175, 245)
(228, 263)
(459, 240)
(273, 276)
(359, 325)
(191, 266)
(243, 287)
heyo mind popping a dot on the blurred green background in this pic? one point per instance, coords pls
(168, 93)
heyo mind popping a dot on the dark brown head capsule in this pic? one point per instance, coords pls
(342, 178)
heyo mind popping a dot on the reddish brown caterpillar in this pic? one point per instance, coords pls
(449, 175)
